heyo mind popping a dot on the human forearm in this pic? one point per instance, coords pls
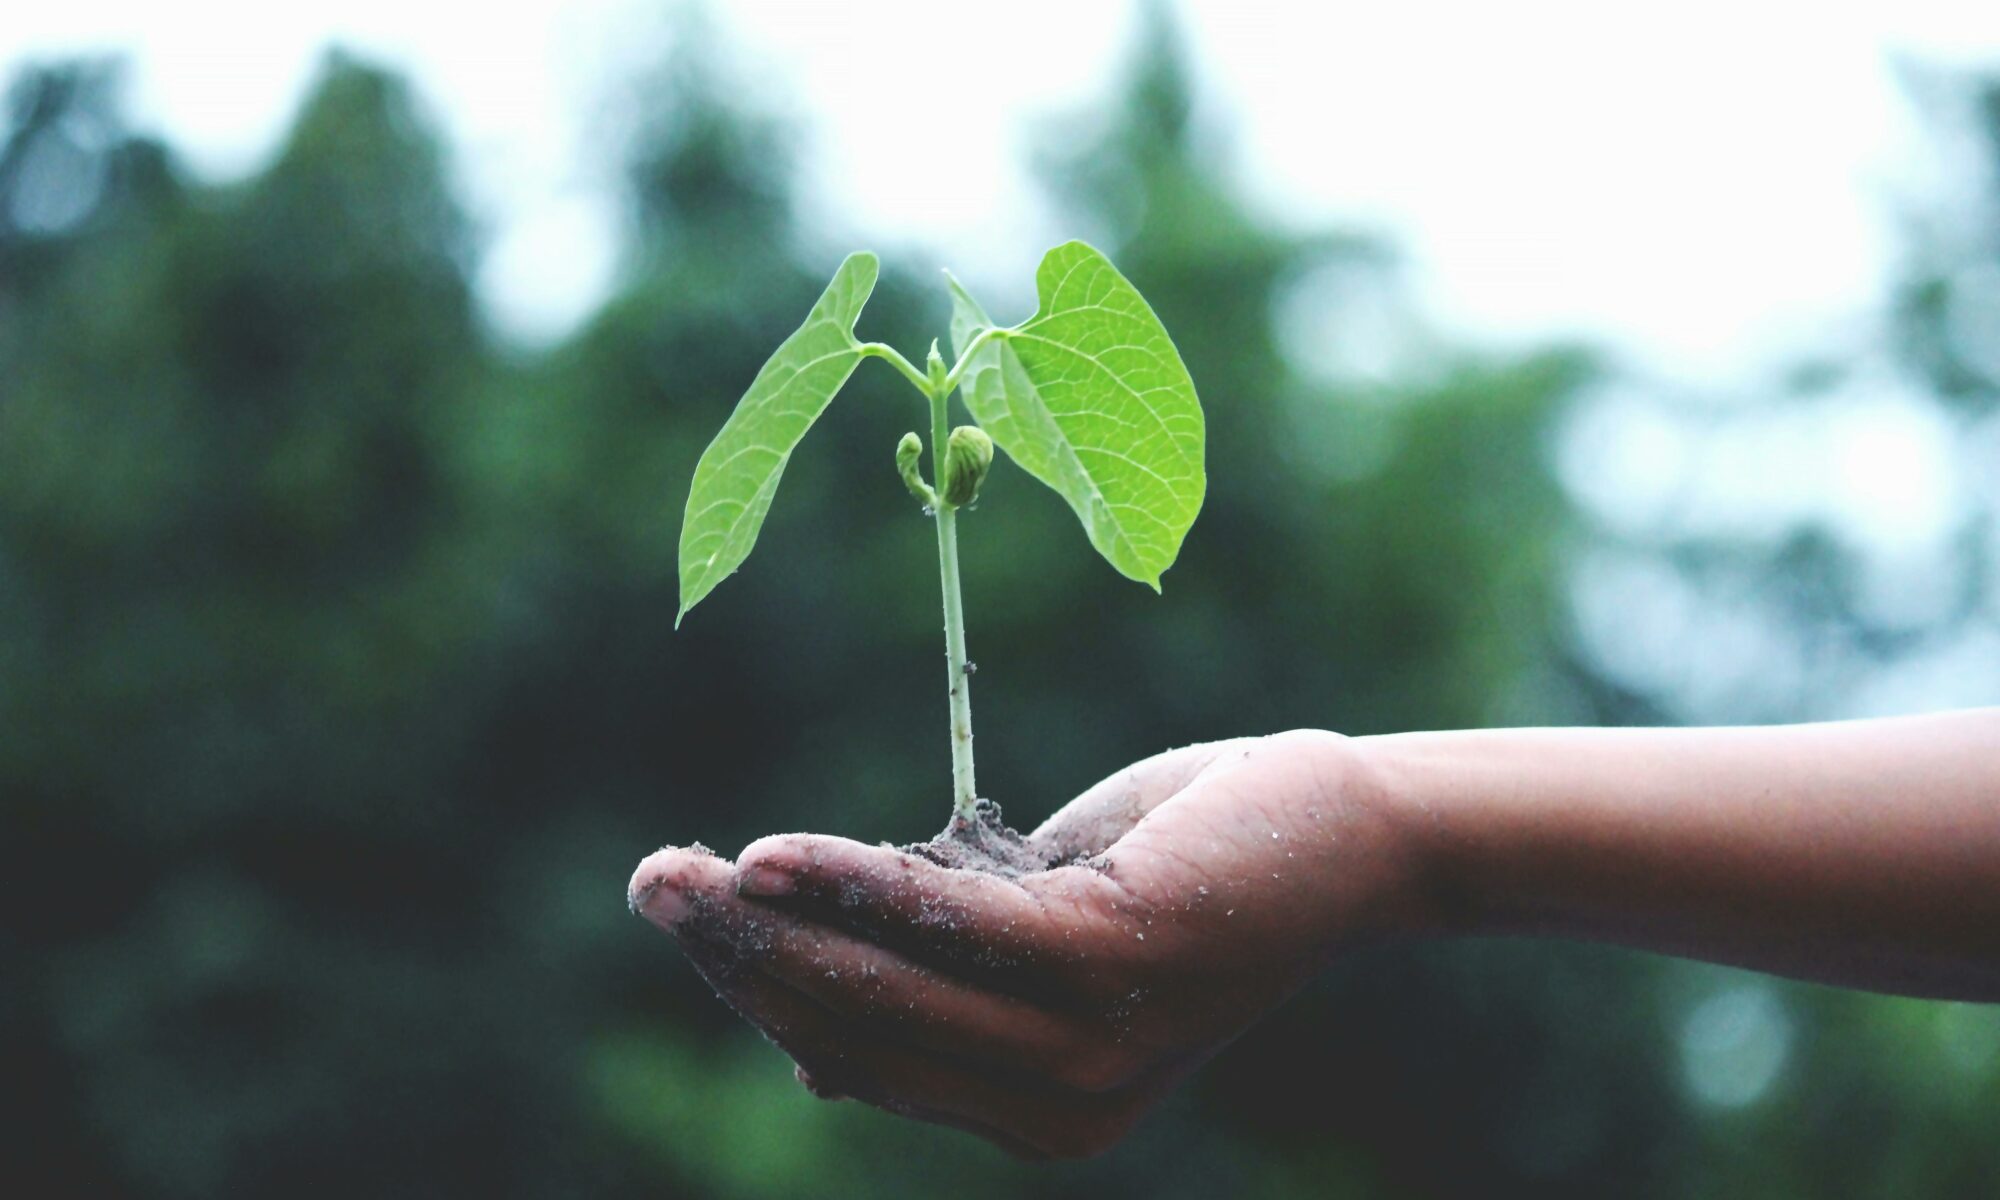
(1048, 1012)
(1859, 853)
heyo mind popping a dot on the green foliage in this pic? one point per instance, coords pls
(335, 703)
(1090, 396)
(739, 472)
(1095, 402)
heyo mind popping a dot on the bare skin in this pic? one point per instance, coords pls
(1048, 1013)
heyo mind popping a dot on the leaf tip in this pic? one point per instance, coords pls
(1075, 245)
(865, 264)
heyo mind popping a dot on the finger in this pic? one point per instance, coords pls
(1109, 809)
(978, 926)
(692, 894)
(1031, 1121)
(830, 1062)
(918, 1006)
(670, 881)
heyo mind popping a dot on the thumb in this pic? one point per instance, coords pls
(1109, 809)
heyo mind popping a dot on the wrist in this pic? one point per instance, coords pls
(1430, 889)
(1383, 876)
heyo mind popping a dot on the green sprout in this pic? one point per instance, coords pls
(1088, 395)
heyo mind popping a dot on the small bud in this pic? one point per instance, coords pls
(934, 367)
(908, 451)
(968, 455)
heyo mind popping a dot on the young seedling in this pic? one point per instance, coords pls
(1088, 395)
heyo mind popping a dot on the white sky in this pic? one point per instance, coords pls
(1700, 185)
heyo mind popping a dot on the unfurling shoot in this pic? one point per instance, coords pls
(968, 455)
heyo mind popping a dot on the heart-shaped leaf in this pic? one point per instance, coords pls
(1090, 396)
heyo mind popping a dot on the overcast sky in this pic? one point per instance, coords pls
(1702, 185)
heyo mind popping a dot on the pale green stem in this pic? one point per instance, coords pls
(894, 358)
(963, 793)
(971, 348)
(890, 355)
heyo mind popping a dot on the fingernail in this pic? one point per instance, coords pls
(658, 902)
(668, 905)
(761, 880)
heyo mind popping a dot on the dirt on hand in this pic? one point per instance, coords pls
(986, 843)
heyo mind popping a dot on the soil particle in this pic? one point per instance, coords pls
(986, 843)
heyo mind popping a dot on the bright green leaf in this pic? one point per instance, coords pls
(1090, 397)
(738, 473)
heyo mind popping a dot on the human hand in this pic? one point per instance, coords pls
(1048, 1013)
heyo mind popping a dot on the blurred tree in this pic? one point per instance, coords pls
(338, 693)
(1864, 582)
(233, 595)
(1947, 305)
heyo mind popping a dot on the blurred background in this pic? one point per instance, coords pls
(1560, 368)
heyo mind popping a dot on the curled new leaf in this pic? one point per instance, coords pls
(908, 452)
(968, 455)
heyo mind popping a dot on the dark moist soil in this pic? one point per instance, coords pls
(987, 844)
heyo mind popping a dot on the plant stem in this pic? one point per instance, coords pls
(963, 793)
(978, 343)
(889, 354)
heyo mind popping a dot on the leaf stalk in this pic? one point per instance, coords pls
(894, 358)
